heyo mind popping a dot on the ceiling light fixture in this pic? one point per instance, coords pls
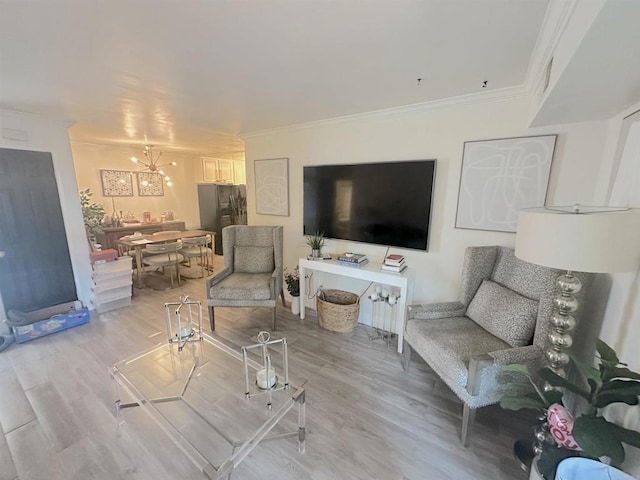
(152, 164)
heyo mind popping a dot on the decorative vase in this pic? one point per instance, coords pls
(315, 253)
(295, 305)
(534, 473)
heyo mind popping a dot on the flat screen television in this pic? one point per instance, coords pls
(386, 203)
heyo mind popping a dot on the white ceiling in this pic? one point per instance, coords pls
(193, 75)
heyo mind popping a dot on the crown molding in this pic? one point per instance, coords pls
(491, 96)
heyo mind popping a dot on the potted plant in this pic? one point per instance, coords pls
(580, 434)
(316, 242)
(92, 214)
(293, 286)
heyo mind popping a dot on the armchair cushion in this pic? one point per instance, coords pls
(248, 259)
(504, 313)
(243, 286)
(447, 345)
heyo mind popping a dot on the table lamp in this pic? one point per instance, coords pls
(580, 239)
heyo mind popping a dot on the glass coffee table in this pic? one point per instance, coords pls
(197, 396)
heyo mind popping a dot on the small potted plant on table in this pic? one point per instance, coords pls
(316, 242)
(292, 279)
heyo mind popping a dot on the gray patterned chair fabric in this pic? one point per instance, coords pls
(252, 273)
(502, 317)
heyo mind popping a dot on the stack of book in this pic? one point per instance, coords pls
(352, 259)
(394, 263)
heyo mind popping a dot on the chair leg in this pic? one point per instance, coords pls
(406, 355)
(468, 416)
(212, 320)
(274, 317)
(284, 303)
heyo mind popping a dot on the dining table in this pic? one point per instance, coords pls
(139, 242)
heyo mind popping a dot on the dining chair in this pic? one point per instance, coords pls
(198, 247)
(164, 256)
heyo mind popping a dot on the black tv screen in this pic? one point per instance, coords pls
(385, 203)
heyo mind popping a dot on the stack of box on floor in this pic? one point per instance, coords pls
(394, 263)
(111, 280)
(352, 259)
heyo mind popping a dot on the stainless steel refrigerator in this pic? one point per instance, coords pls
(221, 204)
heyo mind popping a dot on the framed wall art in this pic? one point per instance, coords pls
(150, 184)
(500, 177)
(272, 186)
(116, 183)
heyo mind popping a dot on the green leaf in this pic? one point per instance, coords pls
(618, 391)
(598, 438)
(519, 402)
(553, 396)
(557, 381)
(518, 368)
(607, 354)
(625, 435)
(619, 372)
(625, 386)
(607, 399)
(551, 457)
(593, 388)
(517, 389)
(587, 370)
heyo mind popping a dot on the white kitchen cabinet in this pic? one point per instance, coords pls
(239, 172)
(218, 170)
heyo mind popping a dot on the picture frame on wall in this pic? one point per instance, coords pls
(150, 184)
(499, 177)
(272, 186)
(116, 183)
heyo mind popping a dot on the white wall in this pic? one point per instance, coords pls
(425, 134)
(52, 136)
(621, 327)
(181, 198)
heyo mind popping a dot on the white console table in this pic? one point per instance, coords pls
(370, 272)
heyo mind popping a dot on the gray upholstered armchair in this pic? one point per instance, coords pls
(502, 317)
(252, 273)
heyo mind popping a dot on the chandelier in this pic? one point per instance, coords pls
(152, 165)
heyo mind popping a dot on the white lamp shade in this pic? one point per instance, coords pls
(602, 242)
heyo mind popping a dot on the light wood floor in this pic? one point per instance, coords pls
(366, 418)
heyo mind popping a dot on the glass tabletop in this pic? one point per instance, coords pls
(198, 397)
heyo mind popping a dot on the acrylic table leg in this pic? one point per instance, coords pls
(116, 398)
(301, 423)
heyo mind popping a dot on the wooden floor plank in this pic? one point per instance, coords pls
(7, 468)
(15, 409)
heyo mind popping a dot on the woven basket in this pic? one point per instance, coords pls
(338, 310)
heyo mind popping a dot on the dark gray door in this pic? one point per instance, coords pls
(35, 268)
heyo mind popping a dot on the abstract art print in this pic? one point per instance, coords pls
(500, 177)
(116, 183)
(272, 186)
(150, 184)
